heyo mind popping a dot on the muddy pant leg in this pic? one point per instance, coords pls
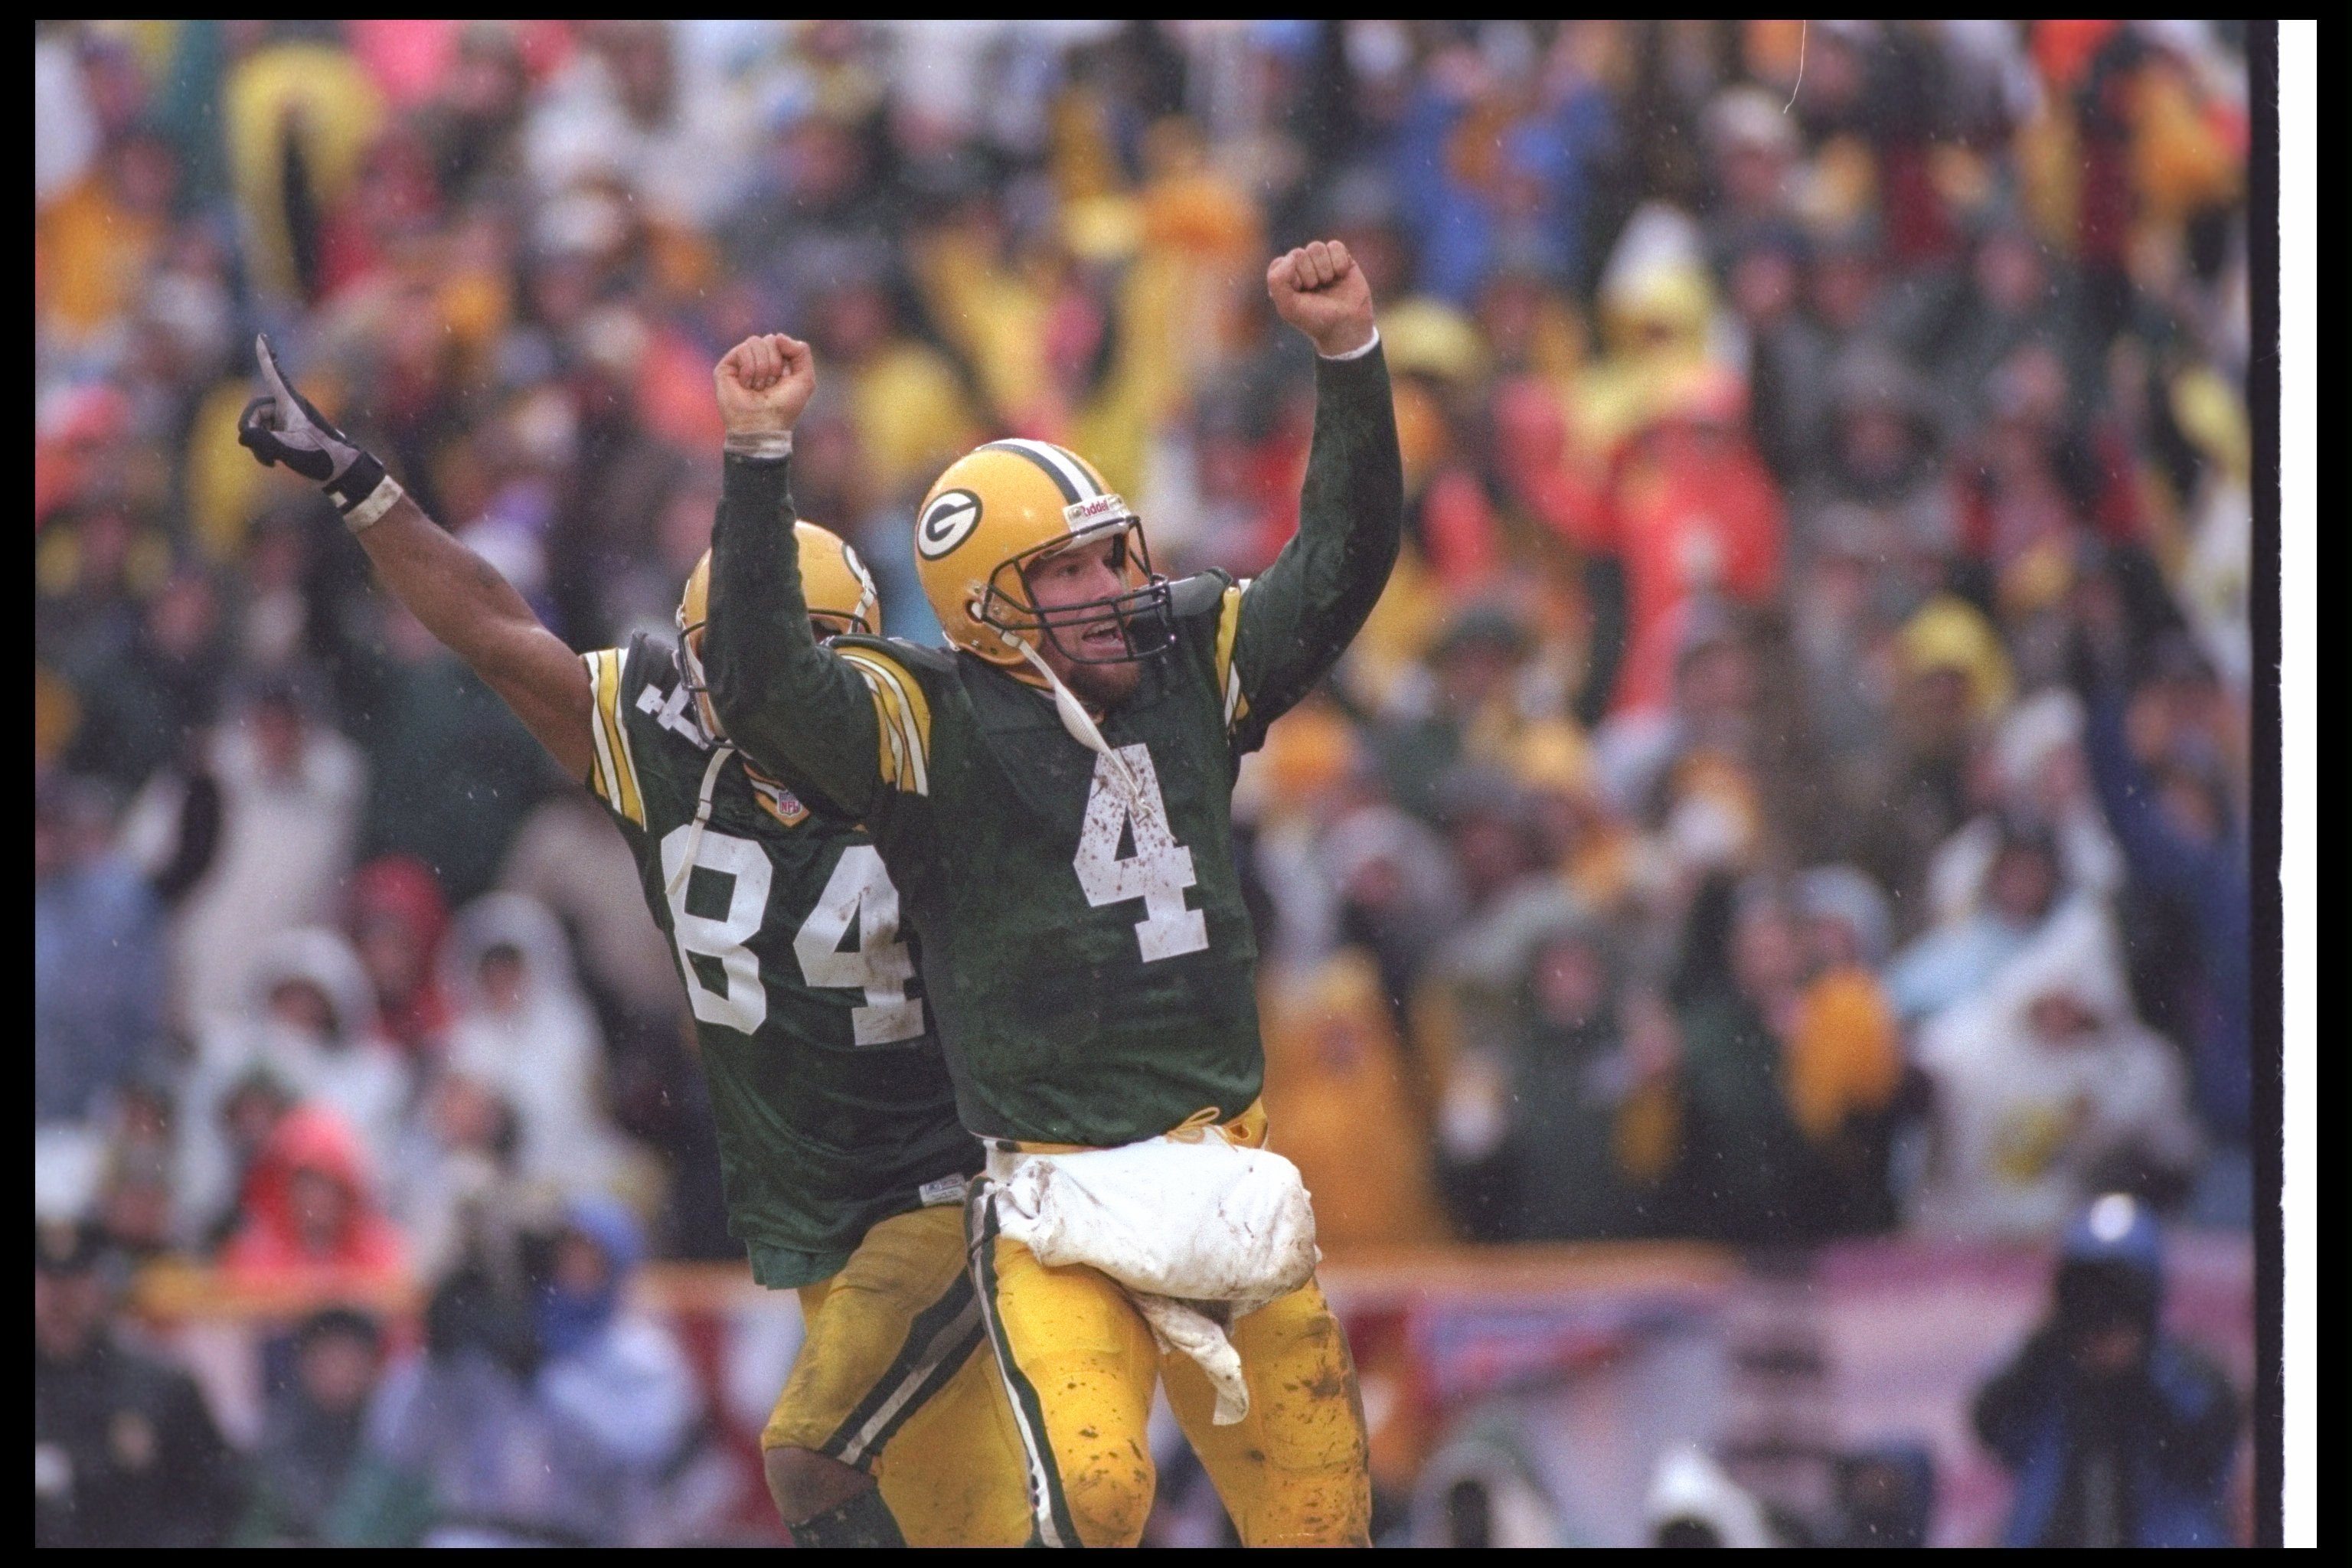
(1294, 1471)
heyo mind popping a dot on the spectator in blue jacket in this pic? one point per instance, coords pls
(2117, 1434)
(2183, 842)
(97, 955)
(1496, 160)
(619, 1376)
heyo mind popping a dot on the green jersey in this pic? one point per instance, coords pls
(1085, 942)
(833, 1104)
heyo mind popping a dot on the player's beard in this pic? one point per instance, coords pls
(1083, 655)
(1100, 686)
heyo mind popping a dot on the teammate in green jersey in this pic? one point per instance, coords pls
(1052, 797)
(842, 1162)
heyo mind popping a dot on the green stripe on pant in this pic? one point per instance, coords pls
(1050, 1511)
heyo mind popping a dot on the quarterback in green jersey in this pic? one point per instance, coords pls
(842, 1162)
(1052, 797)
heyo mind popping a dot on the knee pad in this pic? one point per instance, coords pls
(1101, 1449)
(1110, 1495)
(1305, 1379)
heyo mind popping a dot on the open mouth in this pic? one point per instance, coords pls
(1104, 638)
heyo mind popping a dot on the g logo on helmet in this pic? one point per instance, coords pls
(947, 522)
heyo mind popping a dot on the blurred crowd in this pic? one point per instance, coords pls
(1795, 786)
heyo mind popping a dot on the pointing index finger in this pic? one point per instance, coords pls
(266, 358)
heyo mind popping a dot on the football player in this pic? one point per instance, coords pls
(842, 1162)
(1053, 797)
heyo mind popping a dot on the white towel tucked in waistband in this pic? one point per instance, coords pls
(1198, 1232)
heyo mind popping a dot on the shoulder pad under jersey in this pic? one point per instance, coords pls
(914, 655)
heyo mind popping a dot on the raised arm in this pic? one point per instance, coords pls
(2158, 852)
(1285, 630)
(795, 707)
(458, 597)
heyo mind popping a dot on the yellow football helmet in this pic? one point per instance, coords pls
(834, 581)
(1000, 508)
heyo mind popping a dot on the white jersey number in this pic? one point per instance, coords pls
(860, 893)
(741, 1002)
(1159, 869)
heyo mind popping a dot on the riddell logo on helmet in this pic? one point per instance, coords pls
(1084, 514)
(947, 522)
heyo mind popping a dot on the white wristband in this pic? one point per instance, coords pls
(1356, 353)
(769, 444)
(369, 512)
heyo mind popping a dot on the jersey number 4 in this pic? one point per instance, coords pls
(859, 892)
(1159, 869)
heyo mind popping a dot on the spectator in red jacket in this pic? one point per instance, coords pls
(398, 917)
(1691, 512)
(309, 1213)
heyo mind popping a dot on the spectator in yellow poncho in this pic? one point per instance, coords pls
(294, 105)
(1340, 1097)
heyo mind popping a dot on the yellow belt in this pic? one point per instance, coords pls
(1248, 1130)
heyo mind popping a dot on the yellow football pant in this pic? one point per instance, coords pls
(892, 1378)
(1080, 1362)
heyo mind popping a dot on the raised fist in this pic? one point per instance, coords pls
(764, 383)
(1319, 290)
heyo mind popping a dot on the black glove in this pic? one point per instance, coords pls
(284, 427)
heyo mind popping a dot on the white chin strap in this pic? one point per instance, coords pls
(701, 818)
(1073, 713)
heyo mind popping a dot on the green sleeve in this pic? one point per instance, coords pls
(795, 707)
(1297, 618)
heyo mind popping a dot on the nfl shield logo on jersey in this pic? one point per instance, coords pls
(776, 800)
